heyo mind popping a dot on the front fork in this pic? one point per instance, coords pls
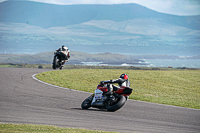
(90, 98)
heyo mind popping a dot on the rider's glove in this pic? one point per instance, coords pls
(102, 83)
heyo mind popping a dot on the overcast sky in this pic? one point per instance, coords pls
(176, 7)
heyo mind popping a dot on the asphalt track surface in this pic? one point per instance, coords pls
(26, 100)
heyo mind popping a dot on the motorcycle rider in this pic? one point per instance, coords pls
(122, 81)
(64, 52)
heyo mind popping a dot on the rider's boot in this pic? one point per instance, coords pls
(61, 65)
(110, 90)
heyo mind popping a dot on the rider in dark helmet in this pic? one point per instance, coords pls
(122, 81)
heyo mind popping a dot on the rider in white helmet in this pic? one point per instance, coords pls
(64, 54)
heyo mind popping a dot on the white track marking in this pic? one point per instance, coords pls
(33, 76)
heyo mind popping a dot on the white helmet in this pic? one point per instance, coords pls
(64, 48)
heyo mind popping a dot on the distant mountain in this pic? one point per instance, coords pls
(49, 15)
(33, 27)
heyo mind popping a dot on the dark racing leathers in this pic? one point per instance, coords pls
(63, 55)
(111, 87)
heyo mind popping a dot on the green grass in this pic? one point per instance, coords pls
(171, 87)
(29, 128)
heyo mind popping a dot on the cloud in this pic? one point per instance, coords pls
(176, 7)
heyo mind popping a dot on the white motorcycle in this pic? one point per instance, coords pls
(111, 103)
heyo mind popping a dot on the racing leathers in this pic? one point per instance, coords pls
(111, 87)
(64, 54)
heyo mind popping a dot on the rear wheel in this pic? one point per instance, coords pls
(117, 105)
(87, 102)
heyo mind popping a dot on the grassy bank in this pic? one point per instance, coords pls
(29, 128)
(171, 87)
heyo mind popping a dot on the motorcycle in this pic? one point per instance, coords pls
(56, 61)
(112, 103)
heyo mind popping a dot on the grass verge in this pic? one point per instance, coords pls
(30, 128)
(171, 87)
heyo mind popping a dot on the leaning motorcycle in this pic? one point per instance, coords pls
(56, 61)
(111, 103)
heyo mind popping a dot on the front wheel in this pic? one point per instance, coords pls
(55, 62)
(87, 102)
(120, 102)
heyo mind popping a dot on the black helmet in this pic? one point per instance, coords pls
(124, 76)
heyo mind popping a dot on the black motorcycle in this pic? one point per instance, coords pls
(57, 61)
(111, 103)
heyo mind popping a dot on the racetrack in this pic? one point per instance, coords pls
(26, 100)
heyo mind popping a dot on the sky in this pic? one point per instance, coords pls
(175, 7)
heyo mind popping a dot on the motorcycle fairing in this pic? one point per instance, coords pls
(104, 89)
(126, 91)
(98, 97)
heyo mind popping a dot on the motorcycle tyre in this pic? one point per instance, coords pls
(88, 105)
(54, 66)
(118, 105)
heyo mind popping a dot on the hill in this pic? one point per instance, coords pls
(28, 27)
(80, 58)
(49, 15)
(76, 58)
